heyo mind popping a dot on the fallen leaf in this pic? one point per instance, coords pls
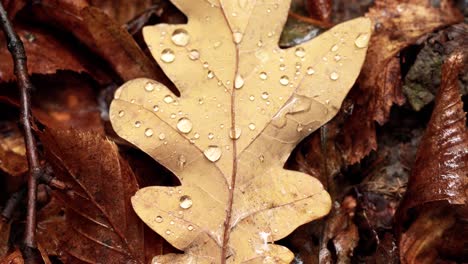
(438, 182)
(13, 6)
(396, 25)
(14, 258)
(235, 199)
(320, 9)
(99, 33)
(46, 54)
(100, 223)
(123, 11)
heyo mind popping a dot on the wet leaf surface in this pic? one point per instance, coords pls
(237, 69)
(439, 176)
(80, 52)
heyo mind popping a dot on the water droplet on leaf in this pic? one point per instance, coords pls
(300, 52)
(185, 202)
(235, 133)
(180, 37)
(210, 75)
(237, 36)
(213, 153)
(167, 55)
(159, 219)
(239, 81)
(184, 125)
(149, 86)
(148, 132)
(168, 99)
(263, 75)
(334, 48)
(137, 124)
(334, 76)
(362, 40)
(310, 71)
(284, 80)
(194, 54)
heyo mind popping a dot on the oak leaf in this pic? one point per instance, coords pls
(244, 105)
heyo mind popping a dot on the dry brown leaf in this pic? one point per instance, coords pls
(45, 53)
(100, 223)
(14, 258)
(320, 9)
(438, 183)
(123, 11)
(99, 33)
(397, 24)
(244, 105)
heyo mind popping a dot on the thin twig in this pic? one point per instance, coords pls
(16, 48)
(315, 22)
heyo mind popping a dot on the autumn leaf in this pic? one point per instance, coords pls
(396, 26)
(244, 105)
(100, 223)
(99, 33)
(46, 54)
(436, 194)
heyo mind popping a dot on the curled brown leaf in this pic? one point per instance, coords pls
(438, 183)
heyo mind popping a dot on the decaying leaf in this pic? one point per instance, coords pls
(396, 25)
(438, 183)
(14, 258)
(99, 33)
(244, 105)
(123, 11)
(46, 54)
(100, 223)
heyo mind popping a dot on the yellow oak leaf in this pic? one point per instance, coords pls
(244, 104)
